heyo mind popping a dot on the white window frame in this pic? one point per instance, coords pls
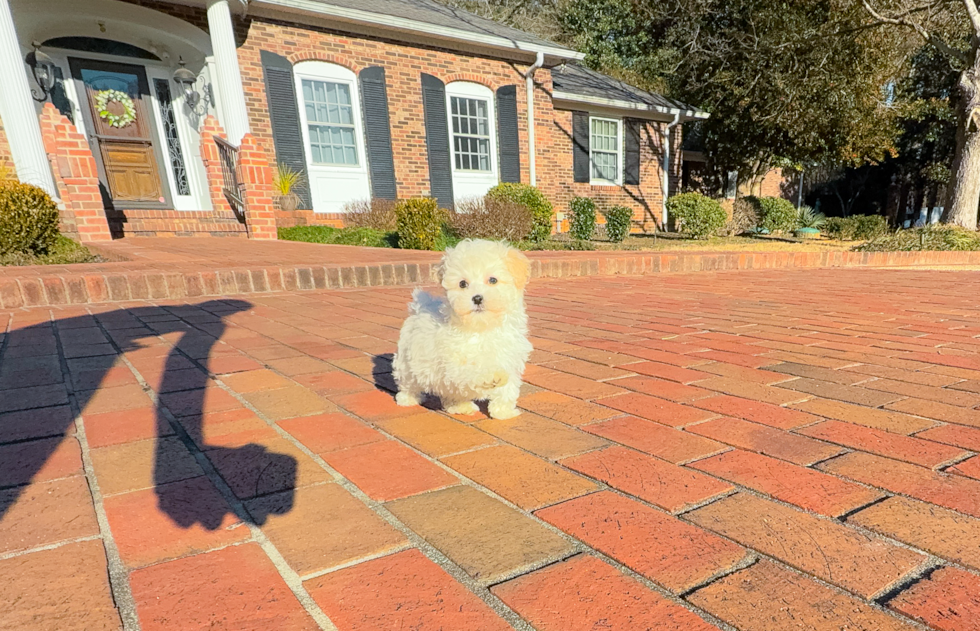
(333, 185)
(619, 153)
(332, 73)
(468, 183)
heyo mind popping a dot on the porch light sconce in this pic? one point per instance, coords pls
(43, 69)
(187, 81)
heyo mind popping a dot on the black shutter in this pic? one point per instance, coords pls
(580, 146)
(377, 133)
(287, 134)
(631, 170)
(508, 139)
(437, 140)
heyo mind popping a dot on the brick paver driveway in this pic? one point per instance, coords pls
(762, 450)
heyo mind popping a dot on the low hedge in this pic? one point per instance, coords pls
(697, 215)
(419, 223)
(531, 198)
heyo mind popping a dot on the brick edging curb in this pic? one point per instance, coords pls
(74, 289)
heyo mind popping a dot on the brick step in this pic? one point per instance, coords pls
(116, 282)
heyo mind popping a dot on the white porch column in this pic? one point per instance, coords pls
(20, 123)
(234, 114)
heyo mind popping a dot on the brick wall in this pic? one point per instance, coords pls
(403, 64)
(75, 174)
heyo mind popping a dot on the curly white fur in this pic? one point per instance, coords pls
(470, 344)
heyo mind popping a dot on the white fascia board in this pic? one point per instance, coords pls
(653, 111)
(416, 27)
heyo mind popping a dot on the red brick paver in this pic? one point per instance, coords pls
(696, 449)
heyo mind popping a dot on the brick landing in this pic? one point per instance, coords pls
(694, 453)
(190, 267)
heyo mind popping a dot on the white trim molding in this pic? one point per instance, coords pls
(652, 112)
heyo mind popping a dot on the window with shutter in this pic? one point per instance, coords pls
(332, 135)
(606, 150)
(472, 128)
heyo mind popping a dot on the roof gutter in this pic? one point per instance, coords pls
(529, 89)
(632, 106)
(357, 16)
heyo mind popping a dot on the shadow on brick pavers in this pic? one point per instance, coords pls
(36, 355)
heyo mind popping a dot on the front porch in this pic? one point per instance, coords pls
(135, 123)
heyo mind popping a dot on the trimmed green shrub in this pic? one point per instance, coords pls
(856, 227)
(697, 215)
(28, 219)
(775, 213)
(618, 220)
(930, 238)
(869, 226)
(839, 228)
(419, 223)
(583, 217)
(532, 199)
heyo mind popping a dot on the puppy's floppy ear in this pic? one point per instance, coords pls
(518, 266)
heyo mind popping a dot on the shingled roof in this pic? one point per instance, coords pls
(586, 85)
(427, 16)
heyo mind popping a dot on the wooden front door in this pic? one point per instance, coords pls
(118, 114)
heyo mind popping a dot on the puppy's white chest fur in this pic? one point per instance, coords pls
(443, 360)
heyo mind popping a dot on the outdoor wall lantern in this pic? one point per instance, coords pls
(43, 69)
(187, 81)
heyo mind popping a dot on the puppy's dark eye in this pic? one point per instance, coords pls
(492, 281)
(463, 284)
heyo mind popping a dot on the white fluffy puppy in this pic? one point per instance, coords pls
(471, 344)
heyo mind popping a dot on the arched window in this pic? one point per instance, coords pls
(330, 113)
(473, 138)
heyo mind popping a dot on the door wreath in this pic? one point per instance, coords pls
(105, 97)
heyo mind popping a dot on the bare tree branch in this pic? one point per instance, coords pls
(930, 38)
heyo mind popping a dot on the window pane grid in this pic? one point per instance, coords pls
(471, 133)
(605, 150)
(330, 119)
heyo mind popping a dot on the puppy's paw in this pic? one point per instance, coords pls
(501, 410)
(466, 408)
(497, 380)
(405, 399)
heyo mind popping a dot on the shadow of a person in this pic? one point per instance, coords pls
(181, 380)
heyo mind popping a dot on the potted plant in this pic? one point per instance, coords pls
(808, 223)
(285, 183)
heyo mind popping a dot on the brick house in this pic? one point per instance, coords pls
(169, 117)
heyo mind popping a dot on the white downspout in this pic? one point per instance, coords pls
(665, 176)
(529, 89)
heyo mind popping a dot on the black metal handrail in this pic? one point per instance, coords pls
(232, 185)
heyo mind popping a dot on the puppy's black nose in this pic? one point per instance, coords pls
(477, 299)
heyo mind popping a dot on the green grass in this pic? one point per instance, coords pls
(367, 237)
(64, 252)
